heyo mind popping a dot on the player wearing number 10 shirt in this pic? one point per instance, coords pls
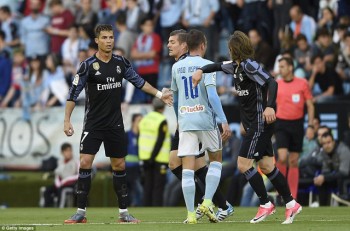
(195, 109)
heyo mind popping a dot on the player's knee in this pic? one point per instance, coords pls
(85, 163)
(118, 166)
(266, 168)
(242, 167)
(293, 163)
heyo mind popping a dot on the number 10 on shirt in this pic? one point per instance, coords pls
(189, 87)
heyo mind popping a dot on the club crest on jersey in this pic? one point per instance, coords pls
(119, 70)
(96, 65)
(76, 80)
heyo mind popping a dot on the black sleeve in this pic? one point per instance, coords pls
(209, 68)
(160, 139)
(272, 93)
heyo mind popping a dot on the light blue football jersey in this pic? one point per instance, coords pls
(194, 110)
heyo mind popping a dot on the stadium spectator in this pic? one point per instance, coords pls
(14, 5)
(9, 26)
(33, 29)
(134, 15)
(256, 14)
(84, 39)
(5, 68)
(346, 136)
(343, 64)
(302, 23)
(70, 52)
(19, 72)
(281, 18)
(61, 20)
(56, 88)
(32, 87)
(262, 49)
(132, 162)
(325, 47)
(335, 168)
(170, 16)
(311, 163)
(146, 53)
(66, 175)
(200, 15)
(86, 17)
(327, 20)
(292, 96)
(109, 14)
(154, 148)
(126, 38)
(4, 50)
(324, 81)
(303, 54)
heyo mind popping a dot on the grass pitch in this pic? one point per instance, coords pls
(326, 218)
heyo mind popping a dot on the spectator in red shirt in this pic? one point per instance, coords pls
(146, 52)
(292, 95)
(61, 21)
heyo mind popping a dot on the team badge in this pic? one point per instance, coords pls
(76, 80)
(96, 65)
(119, 70)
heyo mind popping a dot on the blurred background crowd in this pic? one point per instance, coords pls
(42, 43)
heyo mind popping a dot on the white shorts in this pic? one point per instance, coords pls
(189, 142)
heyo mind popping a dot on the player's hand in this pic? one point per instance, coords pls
(68, 128)
(319, 180)
(196, 77)
(269, 115)
(167, 97)
(226, 131)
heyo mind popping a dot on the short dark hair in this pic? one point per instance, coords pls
(121, 18)
(240, 46)
(65, 146)
(134, 116)
(55, 2)
(322, 32)
(327, 134)
(195, 38)
(300, 37)
(5, 9)
(102, 27)
(93, 45)
(145, 19)
(289, 61)
(181, 35)
(316, 56)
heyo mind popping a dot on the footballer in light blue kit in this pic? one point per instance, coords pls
(196, 109)
(193, 104)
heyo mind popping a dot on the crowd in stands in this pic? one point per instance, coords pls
(60, 34)
(42, 43)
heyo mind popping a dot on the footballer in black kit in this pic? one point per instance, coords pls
(101, 75)
(257, 92)
(103, 119)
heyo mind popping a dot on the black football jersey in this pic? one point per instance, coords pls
(250, 83)
(103, 87)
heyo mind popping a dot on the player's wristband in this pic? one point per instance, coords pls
(159, 94)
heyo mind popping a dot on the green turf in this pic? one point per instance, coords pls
(327, 218)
